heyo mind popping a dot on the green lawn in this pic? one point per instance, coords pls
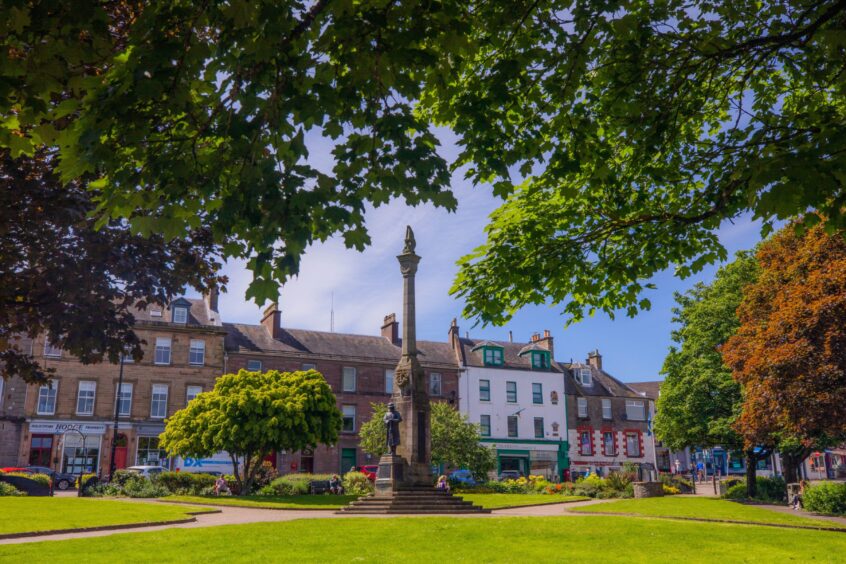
(270, 502)
(704, 508)
(444, 539)
(36, 514)
(500, 501)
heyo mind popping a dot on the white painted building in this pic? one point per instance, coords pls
(515, 392)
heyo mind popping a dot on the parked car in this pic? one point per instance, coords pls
(146, 471)
(61, 480)
(9, 469)
(462, 476)
(509, 475)
(369, 470)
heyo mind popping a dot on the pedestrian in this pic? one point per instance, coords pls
(797, 501)
(220, 486)
(677, 465)
(700, 468)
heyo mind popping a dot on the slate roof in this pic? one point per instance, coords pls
(510, 354)
(646, 389)
(255, 338)
(603, 384)
(198, 314)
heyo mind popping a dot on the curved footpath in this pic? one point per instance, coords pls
(229, 515)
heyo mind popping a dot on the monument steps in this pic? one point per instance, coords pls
(413, 501)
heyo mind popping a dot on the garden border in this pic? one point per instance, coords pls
(207, 504)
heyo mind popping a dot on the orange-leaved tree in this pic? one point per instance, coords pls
(789, 352)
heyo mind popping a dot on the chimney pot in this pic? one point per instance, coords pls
(390, 329)
(546, 333)
(594, 359)
(510, 337)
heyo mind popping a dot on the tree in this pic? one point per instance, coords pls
(61, 277)
(700, 401)
(455, 441)
(639, 127)
(252, 414)
(789, 352)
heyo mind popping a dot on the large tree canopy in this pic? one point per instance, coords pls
(633, 129)
(251, 414)
(77, 285)
(700, 401)
(789, 352)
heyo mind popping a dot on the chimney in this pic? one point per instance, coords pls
(510, 337)
(272, 320)
(546, 342)
(390, 328)
(595, 359)
(535, 337)
(210, 297)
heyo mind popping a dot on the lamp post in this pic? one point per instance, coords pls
(112, 465)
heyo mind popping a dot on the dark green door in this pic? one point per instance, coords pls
(347, 459)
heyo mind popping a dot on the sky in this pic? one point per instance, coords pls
(366, 286)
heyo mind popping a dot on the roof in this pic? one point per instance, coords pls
(603, 384)
(198, 313)
(473, 352)
(245, 338)
(646, 389)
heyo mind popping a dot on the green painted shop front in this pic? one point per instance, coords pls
(541, 457)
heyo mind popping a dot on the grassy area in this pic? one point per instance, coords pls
(413, 539)
(500, 501)
(270, 502)
(36, 514)
(704, 508)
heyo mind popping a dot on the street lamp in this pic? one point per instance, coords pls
(113, 466)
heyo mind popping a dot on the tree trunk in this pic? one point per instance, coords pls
(792, 459)
(235, 473)
(751, 473)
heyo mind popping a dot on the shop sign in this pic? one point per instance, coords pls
(58, 427)
(219, 462)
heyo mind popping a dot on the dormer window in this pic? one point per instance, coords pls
(584, 376)
(492, 354)
(540, 360)
(180, 315)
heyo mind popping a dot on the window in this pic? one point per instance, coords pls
(349, 418)
(511, 392)
(539, 427)
(484, 390)
(126, 358)
(349, 379)
(493, 356)
(253, 365)
(585, 442)
(582, 405)
(180, 315)
(52, 350)
(632, 443)
(162, 350)
(634, 410)
(389, 381)
(608, 443)
(85, 398)
(47, 399)
(434, 384)
(149, 452)
(124, 399)
(197, 352)
(155, 313)
(485, 425)
(540, 360)
(158, 406)
(307, 366)
(191, 392)
(512, 425)
(584, 377)
(606, 408)
(537, 393)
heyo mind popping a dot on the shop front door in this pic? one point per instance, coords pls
(347, 459)
(40, 450)
(120, 457)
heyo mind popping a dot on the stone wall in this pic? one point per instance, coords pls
(648, 489)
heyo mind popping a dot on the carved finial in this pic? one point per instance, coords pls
(410, 243)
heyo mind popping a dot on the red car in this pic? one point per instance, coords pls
(13, 469)
(369, 471)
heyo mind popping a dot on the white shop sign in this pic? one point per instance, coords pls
(61, 427)
(220, 462)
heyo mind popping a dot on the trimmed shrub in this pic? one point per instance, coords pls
(185, 483)
(42, 479)
(120, 477)
(357, 483)
(9, 490)
(772, 490)
(142, 487)
(296, 484)
(267, 490)
(85, 482)
(827, 497)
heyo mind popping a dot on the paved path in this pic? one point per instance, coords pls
(803, 513)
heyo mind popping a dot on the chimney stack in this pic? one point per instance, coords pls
(272, 320)
(546, 342)
(390, 329)
(595, 359)
(210, 297)
(510, 337)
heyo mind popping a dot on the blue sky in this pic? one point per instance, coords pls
(368, 285)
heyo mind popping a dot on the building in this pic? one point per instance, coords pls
(359, 369)
(609, 423)
(68, 425)
(12, 398)
(666, 460)
(515, 392)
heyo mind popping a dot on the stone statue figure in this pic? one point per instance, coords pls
(410, 243)
(392, 420)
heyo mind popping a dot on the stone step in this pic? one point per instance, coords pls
(427, 511)
(444, 505)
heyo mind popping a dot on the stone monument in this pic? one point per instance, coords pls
(410, 465)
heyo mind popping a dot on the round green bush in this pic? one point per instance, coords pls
(9, 490)
(357, 483)
(827, 497)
